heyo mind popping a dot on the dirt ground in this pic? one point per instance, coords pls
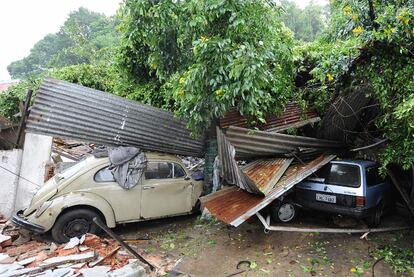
(209, 248)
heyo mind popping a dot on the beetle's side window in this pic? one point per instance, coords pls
(178, 171)
(159, 170)
(104, 175)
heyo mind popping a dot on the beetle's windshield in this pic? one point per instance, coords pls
(69, 172)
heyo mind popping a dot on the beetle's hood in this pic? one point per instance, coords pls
(45, 192)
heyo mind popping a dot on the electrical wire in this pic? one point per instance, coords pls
(18, 175)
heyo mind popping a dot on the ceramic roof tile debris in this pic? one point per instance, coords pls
(72, 111)
(233, 206)
(88, 255)
(292, 117)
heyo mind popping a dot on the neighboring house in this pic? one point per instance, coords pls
(4, 85)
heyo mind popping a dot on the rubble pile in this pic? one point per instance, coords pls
(24, 255)
(71, 149)
(193, 163)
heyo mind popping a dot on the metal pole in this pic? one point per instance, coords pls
(121, 242)
(269, 227)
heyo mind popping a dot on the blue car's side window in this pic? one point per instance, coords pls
(373, 176)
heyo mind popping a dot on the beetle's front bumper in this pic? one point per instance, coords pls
(20, 221)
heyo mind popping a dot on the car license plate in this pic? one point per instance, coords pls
(326, 198)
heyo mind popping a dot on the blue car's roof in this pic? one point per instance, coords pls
(364, 163)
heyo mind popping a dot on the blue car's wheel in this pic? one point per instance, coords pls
(375, 219)
(284, 212)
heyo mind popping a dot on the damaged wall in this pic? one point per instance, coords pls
(36, 154)
(10, 162)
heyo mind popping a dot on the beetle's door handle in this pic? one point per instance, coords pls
(147, 187)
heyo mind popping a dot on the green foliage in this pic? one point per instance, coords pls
(306, 23)
(209, 56)
(80, 40)
(400, 260)
(89, 75)
(381, 54)
(10, 99)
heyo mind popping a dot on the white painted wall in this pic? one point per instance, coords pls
(36, 154)
(10, 161)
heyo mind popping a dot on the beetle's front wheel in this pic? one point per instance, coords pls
(74, 223)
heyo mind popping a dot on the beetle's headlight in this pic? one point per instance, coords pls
(43, 208)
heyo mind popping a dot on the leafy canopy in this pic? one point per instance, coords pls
(372, 43)
(209, 56)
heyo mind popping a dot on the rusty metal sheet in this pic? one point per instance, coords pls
(266, 173)
(292, 117)
(227, 203)
(63, 109)
(236, 206)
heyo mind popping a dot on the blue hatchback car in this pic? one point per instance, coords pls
(347, 187)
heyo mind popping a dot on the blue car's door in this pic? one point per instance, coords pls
(375, 187)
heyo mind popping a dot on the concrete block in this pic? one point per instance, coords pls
(36, 154)
(10, 161)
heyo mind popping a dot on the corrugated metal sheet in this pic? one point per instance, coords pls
(254, 143)
(230, 171)
(227, 203)
(234, 206)
(266, 173)
(72, 111)
(292, 117)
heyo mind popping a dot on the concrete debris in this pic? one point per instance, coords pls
(74, 242)
(60, 272)
(130, 270)
(27, 261)
(69, 259)
(89, 255)
(9, 267)
(95, 271)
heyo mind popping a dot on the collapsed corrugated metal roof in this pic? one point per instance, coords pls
(266, 173)
(230, 171)
(234, 206)
(260, 143)
(292, 117)
(254, 143)
(72, 111)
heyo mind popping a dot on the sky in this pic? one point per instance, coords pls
(24, 22)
